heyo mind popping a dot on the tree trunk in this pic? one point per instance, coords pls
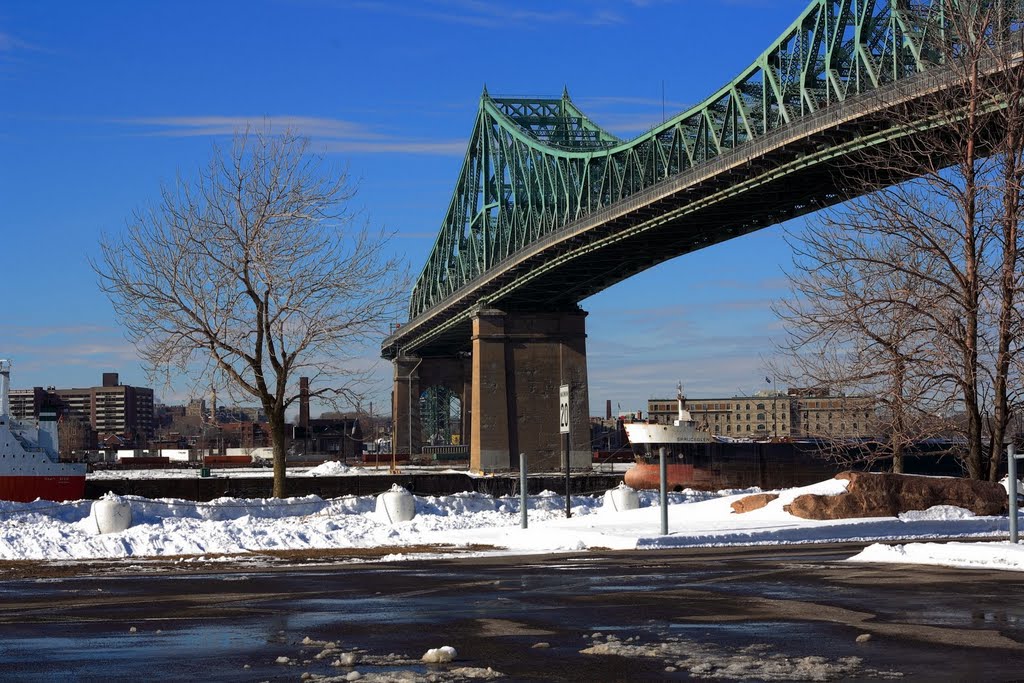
(897, 459)
(1011, 180)
(278, 440)
(972, 287)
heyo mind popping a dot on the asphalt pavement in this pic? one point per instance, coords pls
(759, 613)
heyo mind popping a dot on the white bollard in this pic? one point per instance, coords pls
(396, 505)
(621, 497)
(111, 515)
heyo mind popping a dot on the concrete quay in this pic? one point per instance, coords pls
(224, 483)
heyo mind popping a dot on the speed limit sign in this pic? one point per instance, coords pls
(563, 409)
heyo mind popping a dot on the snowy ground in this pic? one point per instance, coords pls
(43, 530)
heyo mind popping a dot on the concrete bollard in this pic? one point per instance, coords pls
(621, 497)
(396, 505)
(111, 515)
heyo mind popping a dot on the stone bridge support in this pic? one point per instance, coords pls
(414, 375)
(508, 387)
(519, 360)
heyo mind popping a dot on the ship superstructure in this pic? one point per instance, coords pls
(30, 465)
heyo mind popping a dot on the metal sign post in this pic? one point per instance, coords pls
(523, 482)
(1011, 488)
(663, 493)
(563, 428)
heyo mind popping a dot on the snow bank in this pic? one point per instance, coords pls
(50, 531)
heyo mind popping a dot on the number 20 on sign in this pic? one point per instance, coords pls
(563, 409)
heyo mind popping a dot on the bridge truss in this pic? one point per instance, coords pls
(537, 169)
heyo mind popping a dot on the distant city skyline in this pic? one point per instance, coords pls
(102, 102)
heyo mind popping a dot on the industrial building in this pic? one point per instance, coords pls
(797, 413)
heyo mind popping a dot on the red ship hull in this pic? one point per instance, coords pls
(648, 476)
(25, 489)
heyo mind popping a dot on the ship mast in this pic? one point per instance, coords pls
(5, 390)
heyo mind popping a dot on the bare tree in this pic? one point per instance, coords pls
(854, 327)
(925, 273)
(251, 274)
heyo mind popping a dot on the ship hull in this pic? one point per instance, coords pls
(648, 476)
(737, 465)
(24, 489)
(716, 466)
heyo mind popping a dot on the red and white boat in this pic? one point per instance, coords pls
(678, 438)
(30, 465)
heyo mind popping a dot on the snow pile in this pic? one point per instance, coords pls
(478, 524)
(439, 655)
(758, 662)
(995, 555)
(328, 468)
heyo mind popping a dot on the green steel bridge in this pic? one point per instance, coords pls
(549, 208)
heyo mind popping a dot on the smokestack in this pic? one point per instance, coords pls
(608, 409)
(304, 402)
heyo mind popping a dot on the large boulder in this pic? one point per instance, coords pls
(754, 501)
(873, 494)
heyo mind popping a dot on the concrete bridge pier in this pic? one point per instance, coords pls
(414, 375)
(519, 360)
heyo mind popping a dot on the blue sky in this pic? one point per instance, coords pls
(100, 102)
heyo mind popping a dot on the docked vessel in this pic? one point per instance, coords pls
(679, 440)
(648, 437)
(30, 466)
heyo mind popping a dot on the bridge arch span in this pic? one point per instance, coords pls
(550, 209)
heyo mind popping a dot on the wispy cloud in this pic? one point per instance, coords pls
(333, 135)
(35, 332)
(604, 102)
(493, 15)
(188, 126)
(10, 43)
(14, 52)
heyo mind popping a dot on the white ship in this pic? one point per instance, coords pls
(647, 437)
(30, 465)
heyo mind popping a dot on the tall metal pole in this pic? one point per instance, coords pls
(522, 490)
(1011, 488)
(568, 481)
(663, 497)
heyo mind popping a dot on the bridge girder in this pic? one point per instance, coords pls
(546, 198)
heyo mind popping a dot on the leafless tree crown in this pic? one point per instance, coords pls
(253, 273)
(910, 295)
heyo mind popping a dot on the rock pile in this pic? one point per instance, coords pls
(753, 502)
(872, 494)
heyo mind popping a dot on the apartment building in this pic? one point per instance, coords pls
(798, 413)
(25, 403)
(112, 408)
